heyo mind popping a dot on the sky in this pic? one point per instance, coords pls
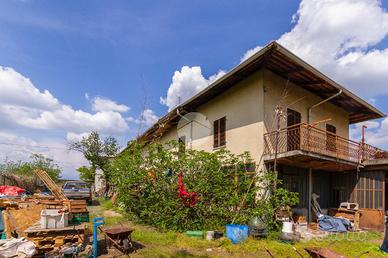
(70, 67)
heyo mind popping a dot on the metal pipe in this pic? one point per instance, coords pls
(309, 116)
(96, 223)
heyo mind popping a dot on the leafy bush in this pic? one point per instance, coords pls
(146, 180)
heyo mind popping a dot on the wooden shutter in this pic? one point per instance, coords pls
(219, 132)
(222, 131)
(215, 133)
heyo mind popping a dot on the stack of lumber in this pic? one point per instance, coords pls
(76, 206)
(51, 185)
(47, 240)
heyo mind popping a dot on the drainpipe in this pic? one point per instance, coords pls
(309, 121)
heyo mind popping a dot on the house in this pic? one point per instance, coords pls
(294, 120)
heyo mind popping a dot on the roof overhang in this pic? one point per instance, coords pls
(281, 61)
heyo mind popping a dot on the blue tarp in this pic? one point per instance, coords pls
(332, 224)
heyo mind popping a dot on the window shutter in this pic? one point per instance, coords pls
(215, 133)
(222, 131)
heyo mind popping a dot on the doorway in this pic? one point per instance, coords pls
(293, 133)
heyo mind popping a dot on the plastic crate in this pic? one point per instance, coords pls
(78, 218)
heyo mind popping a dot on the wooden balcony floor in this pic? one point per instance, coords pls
(304, 159)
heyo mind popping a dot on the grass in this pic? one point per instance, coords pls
(172, 244)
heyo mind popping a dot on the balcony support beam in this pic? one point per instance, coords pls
(310, 187)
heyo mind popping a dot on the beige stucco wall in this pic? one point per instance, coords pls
(249, 110)
(274, 94)
(243, 107)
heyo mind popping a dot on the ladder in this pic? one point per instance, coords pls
(51, 185)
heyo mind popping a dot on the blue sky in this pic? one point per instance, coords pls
(121, 51)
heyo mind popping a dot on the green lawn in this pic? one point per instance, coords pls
(172, 244)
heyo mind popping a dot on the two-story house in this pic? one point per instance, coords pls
(292, 119)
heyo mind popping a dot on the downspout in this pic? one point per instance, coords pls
(310, 179)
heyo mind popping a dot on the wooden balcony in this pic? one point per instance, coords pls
(308, 146)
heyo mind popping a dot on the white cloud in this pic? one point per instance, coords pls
(147, 118)
(18, 90)
(250, 53)
(376, 133)
(341, 39)
(103, 104)
(25, 105)
(15, 147)
(73, 137)
(185, 84)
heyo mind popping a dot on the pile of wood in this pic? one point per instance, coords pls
(47, 240)
(75, 206)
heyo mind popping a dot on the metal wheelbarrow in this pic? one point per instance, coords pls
(119, 237)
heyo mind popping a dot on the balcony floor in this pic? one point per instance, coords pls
(305, 159)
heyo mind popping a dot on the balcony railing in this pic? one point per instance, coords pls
(307, 138)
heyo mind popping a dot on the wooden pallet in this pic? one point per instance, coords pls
(76, 206)
(47, 240)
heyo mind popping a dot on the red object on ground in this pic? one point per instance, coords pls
(189, 199)
(9, 190)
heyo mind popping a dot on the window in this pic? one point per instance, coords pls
(370, 190)
(219, 132)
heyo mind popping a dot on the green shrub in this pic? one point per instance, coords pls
(146, 181)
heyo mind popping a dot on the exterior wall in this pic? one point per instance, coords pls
(274, 94)
(243, 108)
(249, 110)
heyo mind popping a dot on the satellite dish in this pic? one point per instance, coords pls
(193, 126)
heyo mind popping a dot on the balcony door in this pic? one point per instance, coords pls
(293, 132)
(331, 131)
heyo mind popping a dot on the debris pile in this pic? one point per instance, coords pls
(43, 223)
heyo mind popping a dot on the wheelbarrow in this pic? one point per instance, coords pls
(119, 237)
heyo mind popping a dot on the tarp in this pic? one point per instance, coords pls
(333, 224)
(9, 190)
(15, 246)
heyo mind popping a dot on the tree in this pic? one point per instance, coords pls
(25, 170)
(97, 151)
(86, 174)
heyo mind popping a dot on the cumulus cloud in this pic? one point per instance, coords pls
(74, 137)
(103, 104)
(185, 84)
(250, 53)
(376, 133)
(341, 39)
(25, 105)
(147, 118)
(18, 90)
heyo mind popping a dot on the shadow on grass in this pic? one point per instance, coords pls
(94, 202)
